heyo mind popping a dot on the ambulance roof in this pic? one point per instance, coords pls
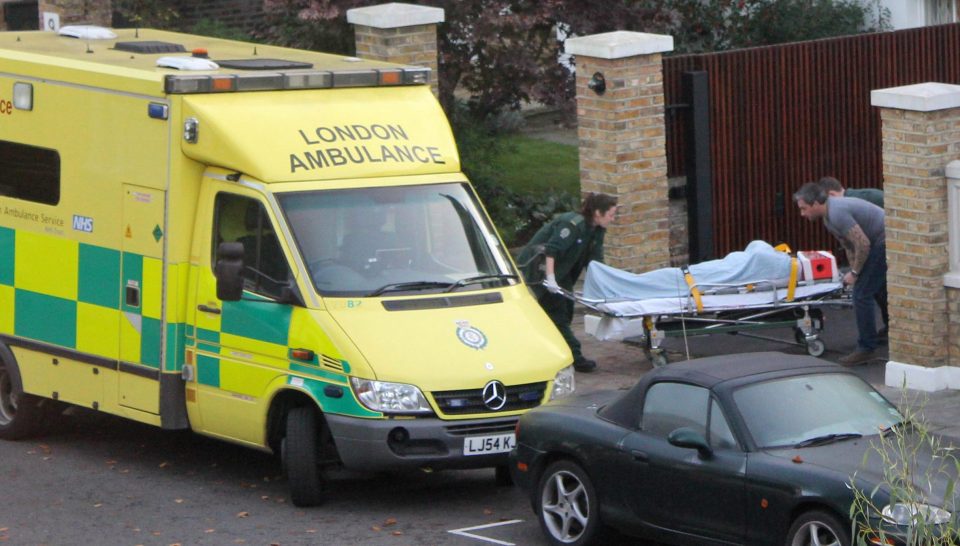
(129, 62)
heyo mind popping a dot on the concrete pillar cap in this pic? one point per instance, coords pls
(395, 15)
(619, 44)
(920, 97)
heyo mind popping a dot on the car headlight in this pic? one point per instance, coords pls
(390, 397)
(563, 384)
(913, 513)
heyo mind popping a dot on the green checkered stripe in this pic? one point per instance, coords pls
(89, 322)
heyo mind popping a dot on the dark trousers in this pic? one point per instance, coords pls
(560, 311)
(869, 291)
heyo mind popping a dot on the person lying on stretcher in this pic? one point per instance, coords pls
(759, 263)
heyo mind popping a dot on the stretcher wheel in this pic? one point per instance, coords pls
(657, 358)
(816, 348)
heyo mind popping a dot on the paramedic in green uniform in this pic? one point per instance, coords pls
(568, 243)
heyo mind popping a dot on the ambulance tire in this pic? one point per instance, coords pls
(301, 457)
(20, 413)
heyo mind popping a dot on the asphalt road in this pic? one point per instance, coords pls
(101, 480)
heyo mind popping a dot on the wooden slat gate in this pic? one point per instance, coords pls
(784, 115)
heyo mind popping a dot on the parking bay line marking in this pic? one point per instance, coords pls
(463, 532)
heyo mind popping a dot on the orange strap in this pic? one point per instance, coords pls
(792, 285)
(694, 291)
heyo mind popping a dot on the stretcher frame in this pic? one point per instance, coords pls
(803, 315)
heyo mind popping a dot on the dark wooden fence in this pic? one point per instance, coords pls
(789, 114)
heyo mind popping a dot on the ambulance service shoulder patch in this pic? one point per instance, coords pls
(564, 233)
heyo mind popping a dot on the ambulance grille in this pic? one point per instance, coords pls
(473, 429)
(519, 397)
(331, 363)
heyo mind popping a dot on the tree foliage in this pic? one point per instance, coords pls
(504, 53)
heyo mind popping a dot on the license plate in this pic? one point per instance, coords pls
(483, 445)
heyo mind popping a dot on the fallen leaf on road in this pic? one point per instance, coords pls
(178, 501)
(374, 528)
(210, 531)
(98, 505)
(487, 511)
(397, 533)
(164, 464)
(243, 515)
(390, 521)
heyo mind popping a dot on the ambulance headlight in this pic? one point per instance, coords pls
(390, 397)
(563, 384)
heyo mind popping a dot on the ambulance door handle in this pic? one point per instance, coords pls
(207, 309)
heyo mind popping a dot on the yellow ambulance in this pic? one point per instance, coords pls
(269, 246)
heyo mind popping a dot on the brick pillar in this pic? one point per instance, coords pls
(398, 33)
(623, 141)
(921, 135)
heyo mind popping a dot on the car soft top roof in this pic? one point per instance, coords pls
(711, 371)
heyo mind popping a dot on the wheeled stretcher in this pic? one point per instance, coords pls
(759, 288)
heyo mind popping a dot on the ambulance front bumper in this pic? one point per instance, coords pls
(384, 444)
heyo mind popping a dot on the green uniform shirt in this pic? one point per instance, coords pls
(570, 241)
(872, 195)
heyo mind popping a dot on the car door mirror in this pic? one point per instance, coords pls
(688, 438)
(228, 271)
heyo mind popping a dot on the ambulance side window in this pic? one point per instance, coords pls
(244, 220)
(29, 173)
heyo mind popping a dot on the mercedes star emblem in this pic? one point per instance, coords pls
(494, 395)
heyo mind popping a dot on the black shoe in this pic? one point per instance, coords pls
(584, 365)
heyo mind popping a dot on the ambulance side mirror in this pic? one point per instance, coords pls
(228, 271)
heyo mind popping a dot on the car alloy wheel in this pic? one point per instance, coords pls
(817, 528)
(567, 504)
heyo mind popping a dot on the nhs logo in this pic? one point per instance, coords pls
(82, 223)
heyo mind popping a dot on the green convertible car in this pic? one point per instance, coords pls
(762, 448)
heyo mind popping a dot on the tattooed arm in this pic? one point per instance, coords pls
(857, 245)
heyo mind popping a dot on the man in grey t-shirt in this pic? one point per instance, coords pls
(859, 226)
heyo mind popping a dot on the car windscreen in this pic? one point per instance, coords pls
(794, 410)
(374, 241)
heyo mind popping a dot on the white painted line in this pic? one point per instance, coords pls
(463, 532)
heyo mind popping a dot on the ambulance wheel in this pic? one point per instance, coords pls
(301, 457)
(815, 347)
(20, 413)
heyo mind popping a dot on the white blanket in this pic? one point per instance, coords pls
(758, 262)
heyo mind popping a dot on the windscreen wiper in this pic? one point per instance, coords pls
(828, 439)
(479, 278)
(415, 285)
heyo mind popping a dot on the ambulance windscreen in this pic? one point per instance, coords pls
(425, 238)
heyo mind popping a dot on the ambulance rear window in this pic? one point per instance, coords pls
(29, 173)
